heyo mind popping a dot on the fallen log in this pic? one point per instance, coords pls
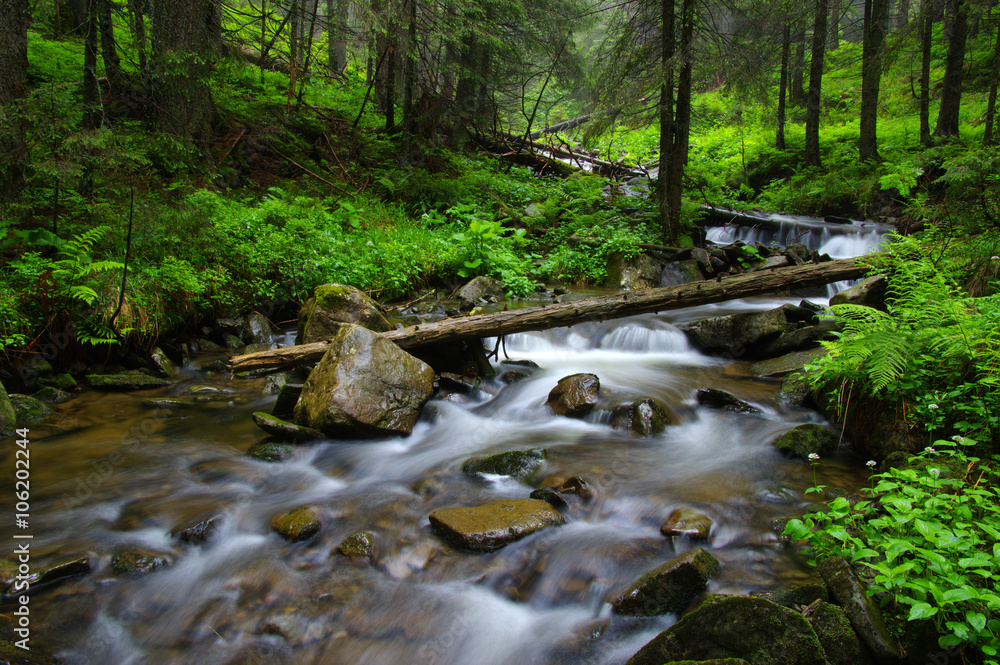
(628, 303)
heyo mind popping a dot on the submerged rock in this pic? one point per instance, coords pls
(197, 533)
(333, 305)
(284, 430)
(756, 630)
(296, 525)
(137, 561)
(644, 418)
(803, 440)
(129, 380)
(549, 496)
(491, 526)
(714, 398)
(861, 610)
(364, 386)
(358, 546)
(575, 395)
(687, 522)
(670, 588)
(479, 290)
(518, 464)
(52, 574)
(270, 450)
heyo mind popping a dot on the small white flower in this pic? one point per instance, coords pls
(871, 464)
(929, 449)
(956, 438)
(933, 406)
(813, 457)
(934, 472)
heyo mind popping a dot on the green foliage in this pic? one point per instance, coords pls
(930, 533)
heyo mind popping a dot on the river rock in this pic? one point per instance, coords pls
(518, 464)
(53, 574)
(128, 380)
(288, 396)
(491, 526)
(270, 450)
(688, 522)
(788, 363)
(197, 532)
(259, 328)
(284, 430)
(364, 386)
(840, 643)
(802, 595)
(8, 419)
(163, 365)
(869, 292)
(575, 395)
(704, 260)
(863, 613)
(513, 376)
(333, 304)
(798, 253)
(737, 334)
(670, 588)
(713, 398)
(680, 272)
(296, 525)
(28, 411)
(638, 272)
(549, 496)
(137, 561)
(803, 440)
(644, 418)
(756, 630)
(51, 395)
(358, 546)
(480, 290)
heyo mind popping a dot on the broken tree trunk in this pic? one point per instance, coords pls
(614, 306)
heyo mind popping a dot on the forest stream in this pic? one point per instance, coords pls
(130, 474)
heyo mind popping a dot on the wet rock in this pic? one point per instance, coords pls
(802, 595)
(491, 526)
(232, 342)
(518, 464)
(270, 450)
(713, 398)
(797, 340)
(862, 612)
(753, 629)
(197, 533)
(530, 364)
(840, 643)
(333, 305)
(638, 272)
(575, 395)
(8, 418)
(364, 386)
(688, 522)
(12, 654)
(670, 588)
(869, 292)
(288, 396)
(680, 272)
(64, 381)
(296, 525)
(549, 496)
(480, 290)
(737, 334)
(163, 365)
(137, 561)
(274, 383)
(129, 380)
(788, 363)
(169, 403)
(259, 328)
(644, 418)
(704, 260)
(284, 430)
(358, 546)
(798, 253)
(52, 574)
(803, 440)
(461, 383)
(51, 395)
(28, 411)
(513, 376)
(772, 262)
(571, 485)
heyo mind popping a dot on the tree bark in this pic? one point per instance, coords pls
(876, 19)
(578, 311)
(109, 48)
(336, 17)
(136, 13)
(815, 85)
(902, 14)
(833, 32)
(951, 91)
(779, 135)
(926, 35)
(989, 138)
(13, 86)
(797, 92)
(91, 115)
(669, 218)
(409, 76)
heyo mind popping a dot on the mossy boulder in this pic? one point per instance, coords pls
(644, 418)
(8, 419)
(165, 367)
(288, 397)
(804, 440)
(802, 595)
(125, 381)
(270, 450)
(491, 526)
(259, 328)
(737, 334)
(333, 305)
(753, 629)
(284, 430)
(518, 464)
(637, 272)
(358, 546)
(670, 588)
(29, 411)
(575, 395)
(689, 522)
(720, 400)
(364, 386)
(296, 525)
(51, 395)
(840, 643)
(134, 561)
(861, 610)
(480, 290)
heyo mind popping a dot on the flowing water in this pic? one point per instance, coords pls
(128, 474)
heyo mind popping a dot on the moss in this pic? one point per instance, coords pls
(360, 545)
(125, 381)
(805, 440)
(518, 464)
(270, 450)
(134, 561)
(297, 525)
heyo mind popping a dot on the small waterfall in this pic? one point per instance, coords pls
(838, 240)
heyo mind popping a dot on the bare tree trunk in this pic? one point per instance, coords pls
(336, 17)
(136, 13)
(91, 116)
(798, 93)
(409, 76)
(815, 85)
(669, 219)
(902, 14)
(682, 112)
(989, 138)
(926, 35)
(876, 19)
(833, 33)
(786, 39)
(109, 50)
(13, 86)
(951, 91)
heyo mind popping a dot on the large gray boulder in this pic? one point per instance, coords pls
(869, 292)
(670, 588)
(754, 629)
(334, 304)
(736, 334)
(639, 272)
(364, 386)
(491, 526)
(480, 290)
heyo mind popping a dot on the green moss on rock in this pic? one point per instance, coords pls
(518, 464)
(670, 588)
(296, 525)
(804, 440)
